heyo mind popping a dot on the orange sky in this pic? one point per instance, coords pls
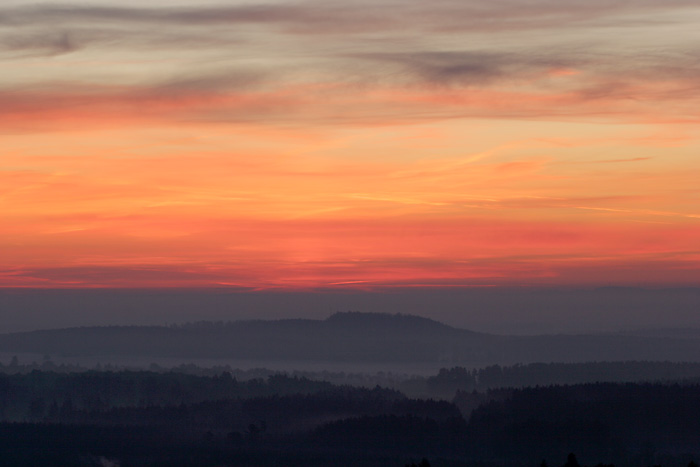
(324, 144)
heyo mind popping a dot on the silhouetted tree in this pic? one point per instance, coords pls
(571, 461)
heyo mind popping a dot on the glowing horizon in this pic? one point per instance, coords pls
(305, 145)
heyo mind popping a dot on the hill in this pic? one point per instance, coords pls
(345, 337)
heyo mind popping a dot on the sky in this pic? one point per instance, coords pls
(354, 145)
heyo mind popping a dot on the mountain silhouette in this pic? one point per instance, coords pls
(344, 337)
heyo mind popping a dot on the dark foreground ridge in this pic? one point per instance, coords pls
(157, 419)
(345, 337)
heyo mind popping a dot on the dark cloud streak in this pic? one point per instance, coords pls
(474, 67)
(51, 44)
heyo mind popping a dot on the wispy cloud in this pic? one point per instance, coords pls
(309, 143)
(615, 161)
(510, 14)
(376, 65)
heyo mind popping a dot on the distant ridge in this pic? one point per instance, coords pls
(397, 321)
(345, 337)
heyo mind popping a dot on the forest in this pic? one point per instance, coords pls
(516, 415)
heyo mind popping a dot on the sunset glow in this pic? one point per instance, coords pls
(304, 145)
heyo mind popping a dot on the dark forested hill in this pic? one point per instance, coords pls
(601, 421)
(157, 419)
(345, 337)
